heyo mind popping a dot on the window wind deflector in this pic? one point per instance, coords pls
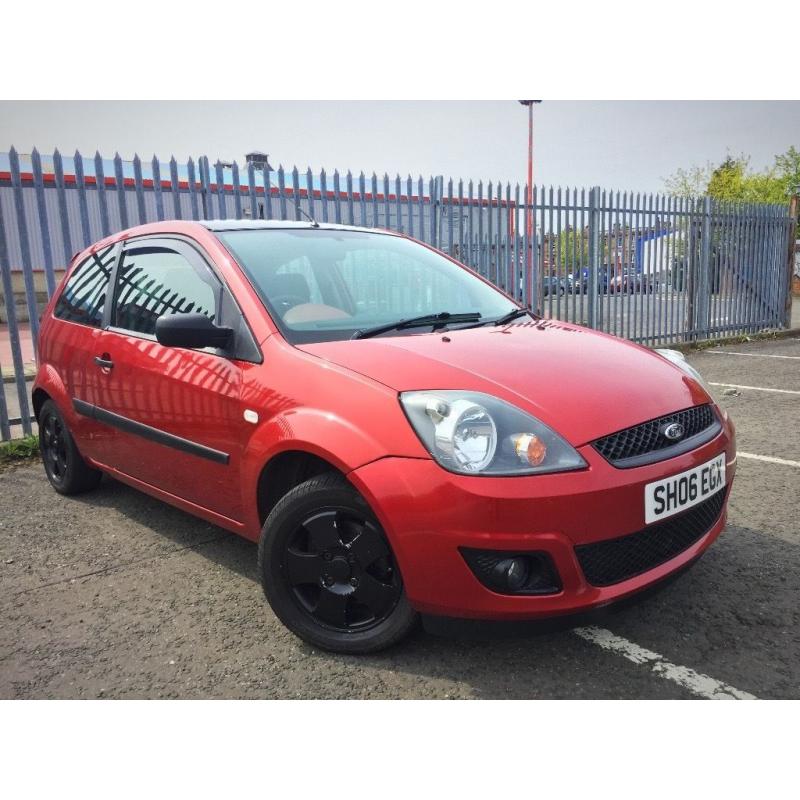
(435, 320)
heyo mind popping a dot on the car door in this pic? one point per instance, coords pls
(78, 318)
(176, 413)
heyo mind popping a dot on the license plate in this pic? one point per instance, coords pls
(671, 495)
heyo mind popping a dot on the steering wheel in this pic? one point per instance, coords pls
(283, 302)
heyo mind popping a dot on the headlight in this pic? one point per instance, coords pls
(679, 360)
(477, 434)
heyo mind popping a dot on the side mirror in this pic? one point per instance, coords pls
(191, 330)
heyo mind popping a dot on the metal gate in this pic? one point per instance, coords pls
(652, 268)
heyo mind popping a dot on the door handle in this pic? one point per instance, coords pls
(105, 363)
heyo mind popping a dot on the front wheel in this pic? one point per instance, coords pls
(328, 571)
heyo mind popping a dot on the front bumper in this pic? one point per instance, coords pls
(429, 513)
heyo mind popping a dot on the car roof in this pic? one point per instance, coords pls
(218, 225)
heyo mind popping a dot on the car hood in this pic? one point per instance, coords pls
(581, 383)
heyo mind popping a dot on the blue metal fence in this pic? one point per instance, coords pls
(652, 268)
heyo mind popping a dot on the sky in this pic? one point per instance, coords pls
(626, 145)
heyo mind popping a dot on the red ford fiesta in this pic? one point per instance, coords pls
(396, 434)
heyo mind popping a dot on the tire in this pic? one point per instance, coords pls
(64, 466)
(328, 571)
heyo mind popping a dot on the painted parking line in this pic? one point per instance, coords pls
(749, 355)
(753, 388)
(769, 459)
(695, 682)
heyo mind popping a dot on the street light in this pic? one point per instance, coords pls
(529, 189)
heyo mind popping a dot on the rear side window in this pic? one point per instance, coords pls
(84, 297)
(153, 281)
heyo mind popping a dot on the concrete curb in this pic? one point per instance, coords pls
(8, 376)
(705, 344)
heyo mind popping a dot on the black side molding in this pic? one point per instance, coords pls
(148, 432)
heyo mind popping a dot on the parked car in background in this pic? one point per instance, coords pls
(579, 281)
(630, 280)
(385, 423)
(553, 285)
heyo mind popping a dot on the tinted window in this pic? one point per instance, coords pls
(325, 284)
(156, 281)
(84, 295)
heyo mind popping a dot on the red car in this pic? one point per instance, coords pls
(396, 434)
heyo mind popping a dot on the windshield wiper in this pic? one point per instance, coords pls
(512, 315)
(436, 320)
(504, 320)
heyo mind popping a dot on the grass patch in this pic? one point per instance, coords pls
(25, 449)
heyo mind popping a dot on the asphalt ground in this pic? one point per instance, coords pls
(113, 594)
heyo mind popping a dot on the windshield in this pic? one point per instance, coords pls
(322, 285)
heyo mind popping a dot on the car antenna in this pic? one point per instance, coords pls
(314, 223)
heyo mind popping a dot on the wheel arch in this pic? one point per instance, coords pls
(285, 470)
(39, 398)
(50, 386)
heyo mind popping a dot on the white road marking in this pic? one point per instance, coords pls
(770, 459)
(695, 682)
(748, 355)
(754, 388)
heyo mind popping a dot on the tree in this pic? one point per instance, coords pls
(733, 180)
(788, 168)
(570, 249)
(688, 182)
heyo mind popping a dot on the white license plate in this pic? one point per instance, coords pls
(671, 495)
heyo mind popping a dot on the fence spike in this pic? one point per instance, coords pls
(100, 185)
(82, 205)
(310, 192)
(156, 167)
(119, 180)
(175, 188)
(44, 223)
(58, 169)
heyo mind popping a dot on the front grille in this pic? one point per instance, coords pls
(645, 443)
(614, 560)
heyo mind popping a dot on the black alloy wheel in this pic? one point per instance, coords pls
(341, 571)
(66, 470)
(54, 448)
(328, 570)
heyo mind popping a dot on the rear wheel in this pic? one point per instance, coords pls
(328, 571)
(66, 470)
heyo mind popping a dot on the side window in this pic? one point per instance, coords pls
(155, 281)
(84, 296)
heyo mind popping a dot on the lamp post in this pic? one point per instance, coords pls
(529, 188)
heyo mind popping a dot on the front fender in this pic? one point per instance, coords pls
(324, 434)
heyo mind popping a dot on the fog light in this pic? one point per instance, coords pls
(512, 573)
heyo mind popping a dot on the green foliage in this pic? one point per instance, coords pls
(788, 168)
(733, 180)
(571, 248)
(19, 450)
(689, 182)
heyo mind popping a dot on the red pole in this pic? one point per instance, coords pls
(530, 174)
(529, 209)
